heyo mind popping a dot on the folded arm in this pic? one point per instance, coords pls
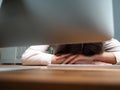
(36, 55)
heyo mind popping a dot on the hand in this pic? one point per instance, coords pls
(81, 59)
(71, 59)
(59, 59)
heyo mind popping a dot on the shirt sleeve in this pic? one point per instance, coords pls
(113, 46)
(36, 55)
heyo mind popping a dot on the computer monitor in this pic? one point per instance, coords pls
(33, 22)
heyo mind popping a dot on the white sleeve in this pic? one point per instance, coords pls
(36, 55)
(113, 46)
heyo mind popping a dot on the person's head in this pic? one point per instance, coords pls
(87, 49)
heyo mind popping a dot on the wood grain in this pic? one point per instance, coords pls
(62, 77)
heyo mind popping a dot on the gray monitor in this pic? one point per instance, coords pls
(33, 22)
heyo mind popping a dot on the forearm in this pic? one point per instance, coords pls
(37, 59)
(36, 55)
(107, 57)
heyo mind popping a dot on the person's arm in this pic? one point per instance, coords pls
(107, 57)
(104, 58)
(111, 54)
(36, 55)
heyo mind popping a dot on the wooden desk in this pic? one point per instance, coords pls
(62, 78)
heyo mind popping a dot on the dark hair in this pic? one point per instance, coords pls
(87, 49)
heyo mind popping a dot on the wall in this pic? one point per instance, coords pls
(12, 54)
(116, 10)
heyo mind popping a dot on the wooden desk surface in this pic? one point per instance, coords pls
(65, 77)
